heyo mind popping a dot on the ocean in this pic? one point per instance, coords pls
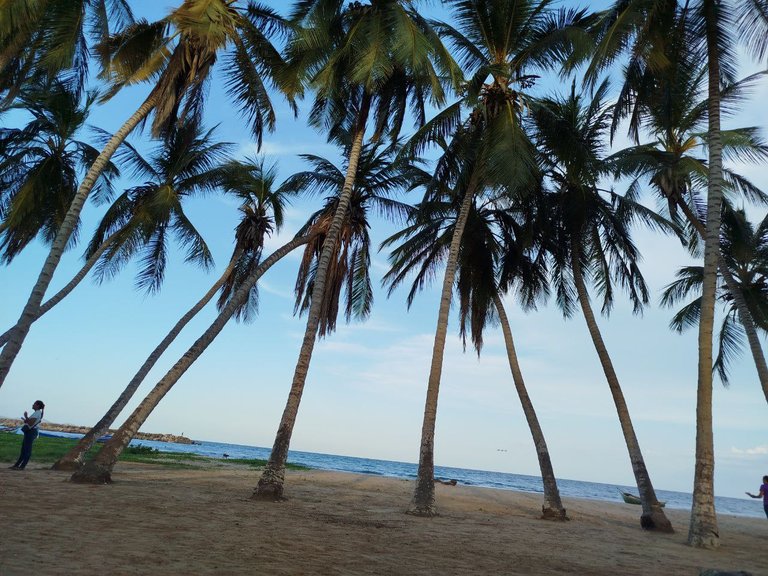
(499, 480)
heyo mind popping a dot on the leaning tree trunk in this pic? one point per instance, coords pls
(99, 470)
(553, 506)
(423, 501)
(270, 485)
(75, 458)
(703, 531)
(653, 517)
(21, 329)
(64, 292)
(745, 314)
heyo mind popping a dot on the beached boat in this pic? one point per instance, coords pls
(632, 499)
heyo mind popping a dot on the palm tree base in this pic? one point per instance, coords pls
(557, 514)
(270, 488)
(423, 511)
(92, 473)
(67, 465)
(656, 521)
(706, 541)
(703, 533)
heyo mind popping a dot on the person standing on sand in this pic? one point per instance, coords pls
(29, 429)
(762, 493)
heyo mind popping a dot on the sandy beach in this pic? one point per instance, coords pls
(156, 520)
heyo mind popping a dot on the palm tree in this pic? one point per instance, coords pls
(364, 62)
(39, 164)
(589, 238)
(378, 178)
(261, 212)
(501, 43)
(491, 246)
(744, 249)
(179, 51)
(667, 104)
(643, 27)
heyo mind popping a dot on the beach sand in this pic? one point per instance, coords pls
(158, 521)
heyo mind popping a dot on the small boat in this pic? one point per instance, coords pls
(632, 499)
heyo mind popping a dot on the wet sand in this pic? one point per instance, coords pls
(156, 520)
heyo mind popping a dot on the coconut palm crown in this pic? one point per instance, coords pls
(142, 220)
(48, 38)
(41, 164)
(744, 248)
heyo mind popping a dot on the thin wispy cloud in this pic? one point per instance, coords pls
(279, 292)
(273, 148)
(754, 451)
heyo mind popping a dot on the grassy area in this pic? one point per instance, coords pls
(47, 450)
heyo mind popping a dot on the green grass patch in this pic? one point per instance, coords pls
(47, 449)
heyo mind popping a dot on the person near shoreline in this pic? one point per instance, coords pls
(31, 423)
(762, 493)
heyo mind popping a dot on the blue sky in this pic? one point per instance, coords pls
(366, 386)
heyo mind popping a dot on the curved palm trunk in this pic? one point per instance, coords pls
(270, 485)
(99, 470)
(703, 531)
(423, 501)
(745, 315)
(64, 292)
(553, 506)
(75, 458)
(20, 331)
(653, 517)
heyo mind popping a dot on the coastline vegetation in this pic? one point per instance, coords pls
(48, 449)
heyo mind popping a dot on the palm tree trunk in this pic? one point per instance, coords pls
(653, 517)
(270, 485)
(703, 531)
(64, 292)
(423, 501)
(553, 506)
(12, 347)
(745, 315)
(99, 470)
(74, 459)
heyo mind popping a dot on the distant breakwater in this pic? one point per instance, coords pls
(53, 427)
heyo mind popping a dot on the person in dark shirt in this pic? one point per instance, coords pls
(762, 493)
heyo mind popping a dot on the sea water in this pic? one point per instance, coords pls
(499, 480)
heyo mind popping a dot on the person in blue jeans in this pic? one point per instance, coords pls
(762, 493)
(31, 423)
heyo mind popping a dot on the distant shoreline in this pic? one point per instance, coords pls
(54, 427)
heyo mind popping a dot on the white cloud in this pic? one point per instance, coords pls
(755, 451)
(272, 148)
(279, 292)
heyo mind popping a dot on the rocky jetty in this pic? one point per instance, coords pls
(53, 427)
